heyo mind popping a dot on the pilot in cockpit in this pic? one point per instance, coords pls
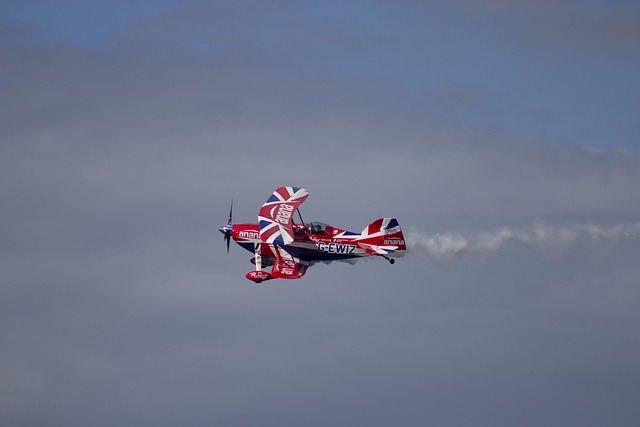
(315, 228)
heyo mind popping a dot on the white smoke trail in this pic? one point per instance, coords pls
(454, 243)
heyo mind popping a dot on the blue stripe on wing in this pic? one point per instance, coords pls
(264, 224)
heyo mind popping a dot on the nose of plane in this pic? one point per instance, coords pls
(227, 230)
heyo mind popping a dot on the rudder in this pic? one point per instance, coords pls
(386, 232)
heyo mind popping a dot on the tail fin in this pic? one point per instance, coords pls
(385, 233)
(382, 226)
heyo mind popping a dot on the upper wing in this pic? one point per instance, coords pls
(276, 215)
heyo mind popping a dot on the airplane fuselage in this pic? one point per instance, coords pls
(333, 244)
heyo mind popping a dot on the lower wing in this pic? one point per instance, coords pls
(286, 265)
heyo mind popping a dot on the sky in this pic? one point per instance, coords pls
(502, 135)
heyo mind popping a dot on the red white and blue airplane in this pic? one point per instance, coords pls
(290, 247)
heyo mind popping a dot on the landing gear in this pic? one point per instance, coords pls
(391, 260)
(258, 275)
(258, 256)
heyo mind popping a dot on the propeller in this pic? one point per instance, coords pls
(227, 229)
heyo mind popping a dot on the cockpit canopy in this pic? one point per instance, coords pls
(317, 228)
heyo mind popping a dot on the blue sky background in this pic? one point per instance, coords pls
(563, 70)
(502, 135)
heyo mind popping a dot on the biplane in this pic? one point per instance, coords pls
(290, 247)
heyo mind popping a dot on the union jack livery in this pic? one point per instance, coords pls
(290, 247)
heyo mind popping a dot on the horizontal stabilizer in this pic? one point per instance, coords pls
(377, 250)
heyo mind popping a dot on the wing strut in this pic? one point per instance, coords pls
(256, 250)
